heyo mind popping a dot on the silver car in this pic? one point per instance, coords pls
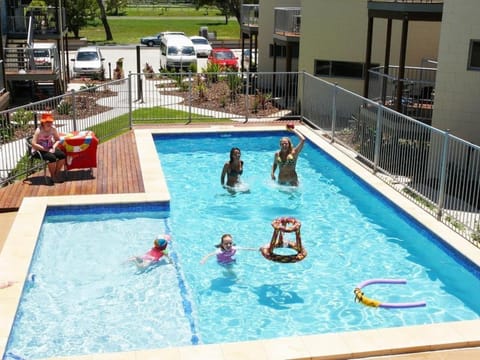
(201, 45)
(88, 62)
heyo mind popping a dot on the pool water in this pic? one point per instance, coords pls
(92, 300)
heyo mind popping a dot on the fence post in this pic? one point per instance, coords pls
(247, 102)
(74, 110)
(190, 96)
(443, 175)
(378, 138)
(334, 111)
(130, 101)
(302, 116)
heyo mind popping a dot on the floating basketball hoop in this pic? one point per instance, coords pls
(280, 227)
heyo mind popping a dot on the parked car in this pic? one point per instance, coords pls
(155, 40)
(201, 45)
(177, 53)
(224, 57)
(88, 61)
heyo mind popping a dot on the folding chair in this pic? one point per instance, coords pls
(35, 156)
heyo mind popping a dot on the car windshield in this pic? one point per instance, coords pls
(87, 56)
(223, 55)
(200, 41)
(175, 50)
(40, 53)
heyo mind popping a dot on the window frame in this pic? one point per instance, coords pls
(474, 51)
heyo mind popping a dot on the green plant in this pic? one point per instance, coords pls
(64, 108)
(419, 199)
(193, 68)
(234, 82)
(264, 99)
(22, 118)
(89, 85)
(455, 223)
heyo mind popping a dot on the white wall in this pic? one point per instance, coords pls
(457, 90)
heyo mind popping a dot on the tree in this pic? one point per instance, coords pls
(227, 7)
(103, 17)
(77, 13)
(116, 7)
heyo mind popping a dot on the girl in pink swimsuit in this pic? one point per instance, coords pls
(226, 251)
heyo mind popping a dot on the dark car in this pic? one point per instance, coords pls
(224, 57)
(155, 40)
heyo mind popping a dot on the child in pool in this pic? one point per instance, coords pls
(226, 251)
(155, 254)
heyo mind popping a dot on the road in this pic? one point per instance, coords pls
(129, 55)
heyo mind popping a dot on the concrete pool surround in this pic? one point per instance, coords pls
(20, 243)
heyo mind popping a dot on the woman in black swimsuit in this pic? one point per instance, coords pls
(232, 169)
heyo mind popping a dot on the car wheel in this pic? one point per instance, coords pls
(150, 43)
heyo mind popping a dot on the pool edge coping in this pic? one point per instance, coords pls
(25, 229)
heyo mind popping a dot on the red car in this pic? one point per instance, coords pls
(224, 57)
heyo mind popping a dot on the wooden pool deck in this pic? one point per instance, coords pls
(118, 171)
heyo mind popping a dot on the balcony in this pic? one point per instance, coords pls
(44, 22)
(419, 10)
(20, 65)
(418, 87)
(249, 16)
(287, 24)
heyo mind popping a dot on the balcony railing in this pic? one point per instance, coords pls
(2, 79)
(287, 21)
(410, 1)
(45, 23)
(249, 15)
(418, 87)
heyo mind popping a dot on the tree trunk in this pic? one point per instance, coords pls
(103, 16)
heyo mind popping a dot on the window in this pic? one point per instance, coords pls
(281, 51)
(474, 56)
(330, 68)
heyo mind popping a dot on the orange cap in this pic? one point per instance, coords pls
(47, 117)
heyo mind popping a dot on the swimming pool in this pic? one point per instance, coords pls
(260, 293)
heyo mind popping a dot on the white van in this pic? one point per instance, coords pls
(45, 56)
(176, 53)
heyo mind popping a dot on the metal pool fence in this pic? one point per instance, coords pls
(433, 168)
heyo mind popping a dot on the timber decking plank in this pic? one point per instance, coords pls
(118, 171)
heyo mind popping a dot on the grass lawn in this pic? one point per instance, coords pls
(129, 29)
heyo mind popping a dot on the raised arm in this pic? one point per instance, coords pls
(299, 147)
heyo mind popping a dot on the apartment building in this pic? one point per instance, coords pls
(337, 40)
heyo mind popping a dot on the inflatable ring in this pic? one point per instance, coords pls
(283, 223)
(360, 296)
(281, 226)
(299, 255)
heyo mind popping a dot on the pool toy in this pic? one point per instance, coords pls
(360, 297)
(280, 227)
